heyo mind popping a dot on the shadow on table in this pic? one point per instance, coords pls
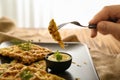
(65, 75)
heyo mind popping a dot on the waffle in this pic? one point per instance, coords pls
(53, 30)
(39, 65)
(25, 54)
(19, 71)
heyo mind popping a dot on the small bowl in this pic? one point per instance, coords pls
(58, 66)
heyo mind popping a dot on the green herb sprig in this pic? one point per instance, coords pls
(26, 75)
(58, 55)
(24, 45)
(16, 42)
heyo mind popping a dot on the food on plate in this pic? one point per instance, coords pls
(19, 71)
(25, 53)
(53, 30)
(39, 65)
(28, 63)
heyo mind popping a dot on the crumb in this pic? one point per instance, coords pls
(31, 40)
(39, 40)
(78, 65)
(73, 62)
(85, 62)
(77, 78)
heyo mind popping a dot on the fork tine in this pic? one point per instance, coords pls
(73, 22)
(61, 25)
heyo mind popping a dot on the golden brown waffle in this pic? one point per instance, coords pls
(18, 71)
(9, 71)
(39, 65)
(33, 53)
(28, 64)
(53, 30)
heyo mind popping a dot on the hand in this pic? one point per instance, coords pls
(108, 21)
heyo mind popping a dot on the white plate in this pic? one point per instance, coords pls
(82, 66)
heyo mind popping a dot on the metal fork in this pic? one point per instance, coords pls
(91, 26)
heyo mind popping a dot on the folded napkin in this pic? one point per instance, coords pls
(106, 64)
(71, 38)
(7, 26)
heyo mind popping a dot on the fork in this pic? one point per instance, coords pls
(91, 26)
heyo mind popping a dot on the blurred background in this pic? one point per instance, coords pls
(38, 13)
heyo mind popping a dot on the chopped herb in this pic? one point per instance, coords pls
(1, 73)
(26, 75)
(25, 46)
(58, 55)
(16, 42)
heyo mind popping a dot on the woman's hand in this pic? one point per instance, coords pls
(108, 21)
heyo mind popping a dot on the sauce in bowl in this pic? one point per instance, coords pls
(60, 64)
(65, 57)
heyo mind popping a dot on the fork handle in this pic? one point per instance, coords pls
(92, 26)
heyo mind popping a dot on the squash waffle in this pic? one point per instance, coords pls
(53, 30)
(18, 71)
(25, 53)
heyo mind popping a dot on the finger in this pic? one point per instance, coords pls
(107, 13)
(102, 15)
(93, 33)
(106, 27)
(118, 21)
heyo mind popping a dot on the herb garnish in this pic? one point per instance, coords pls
(58, 55)
(24, 45)
(1, 73)
(26, 75)
(16, 42)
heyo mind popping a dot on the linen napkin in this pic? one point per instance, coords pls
(71, 38)
(106, 64)
(7, 26)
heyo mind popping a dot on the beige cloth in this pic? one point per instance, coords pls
(7, 26)
(107, 65)
(71, 38)
(106, 61)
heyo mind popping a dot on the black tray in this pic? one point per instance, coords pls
(82, 67)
